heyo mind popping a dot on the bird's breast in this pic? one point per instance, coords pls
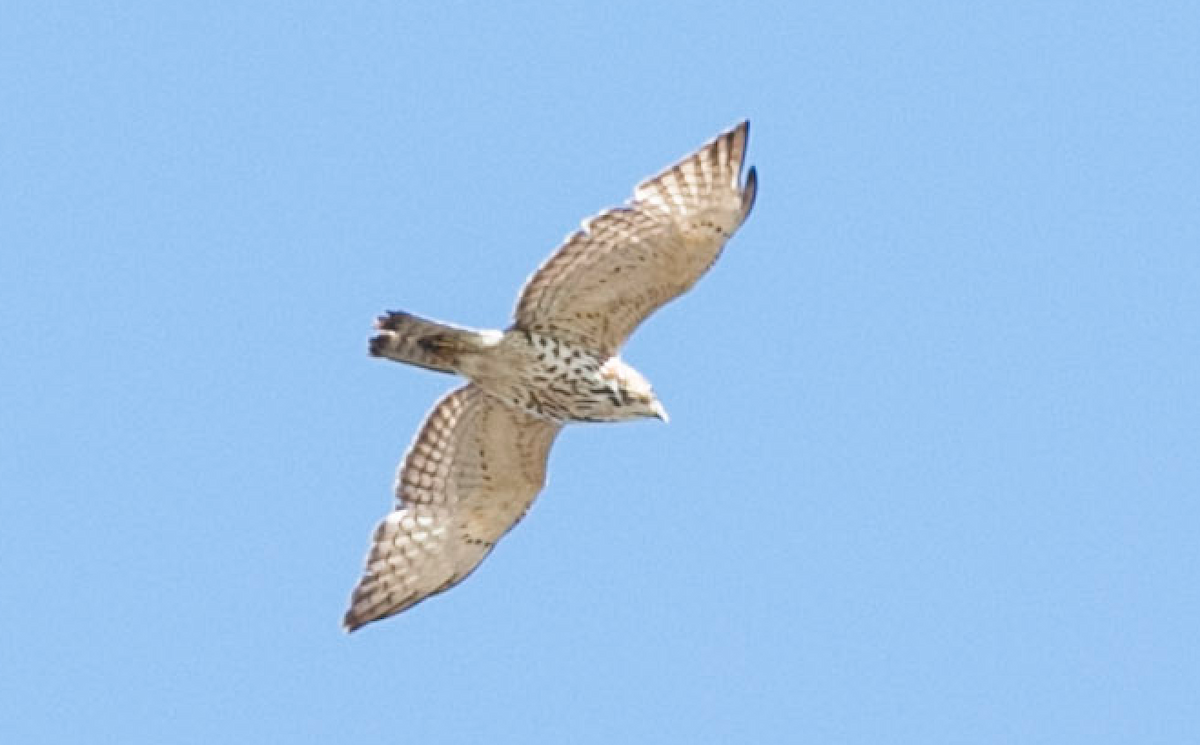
(549, 378)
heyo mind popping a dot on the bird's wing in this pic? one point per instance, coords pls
(627, 262)
(471, 473)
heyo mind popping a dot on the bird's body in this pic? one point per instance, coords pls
(479, 459)
(561, 381)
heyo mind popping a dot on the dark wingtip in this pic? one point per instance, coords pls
(749, 191)
(734, 138)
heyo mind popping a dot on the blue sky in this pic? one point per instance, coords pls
(931, 474)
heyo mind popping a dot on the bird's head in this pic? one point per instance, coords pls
(634, 391)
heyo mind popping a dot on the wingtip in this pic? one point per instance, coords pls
(353, 621)
(749, 191)
(349, 622)
(741, 133)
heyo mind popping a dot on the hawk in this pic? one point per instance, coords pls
(479, 459)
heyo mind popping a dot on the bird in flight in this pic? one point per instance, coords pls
(479, 459)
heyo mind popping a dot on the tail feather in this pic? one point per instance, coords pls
(436, 346)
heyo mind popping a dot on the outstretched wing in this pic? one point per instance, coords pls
(471, 473)
(628, 261)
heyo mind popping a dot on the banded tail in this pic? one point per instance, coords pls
(436, 346)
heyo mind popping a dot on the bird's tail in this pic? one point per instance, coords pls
(406, 338)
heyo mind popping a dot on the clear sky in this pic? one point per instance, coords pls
(932, 469)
